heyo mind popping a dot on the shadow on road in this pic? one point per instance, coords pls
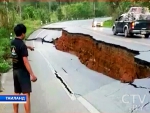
(134, 36)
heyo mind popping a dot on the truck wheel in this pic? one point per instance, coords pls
(147, 36)
(126, 34)
(114, 31)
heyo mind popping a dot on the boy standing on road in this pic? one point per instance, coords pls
(22, 72)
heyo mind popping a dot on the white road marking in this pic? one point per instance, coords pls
(86, 104)
(50, 66)
(123, 40)
(33, 44)
(39, 33)
(72, 96)
(37, 36)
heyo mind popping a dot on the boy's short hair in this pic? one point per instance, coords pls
(19, 29)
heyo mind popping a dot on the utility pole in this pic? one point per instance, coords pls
(49, 3)
(7, 14)
(20, 9)
(6, 6)
(93, 10)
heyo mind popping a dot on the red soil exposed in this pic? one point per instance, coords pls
(113, 61)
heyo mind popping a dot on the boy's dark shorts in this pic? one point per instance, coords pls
(22, 82)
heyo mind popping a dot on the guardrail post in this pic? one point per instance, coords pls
(11, 36)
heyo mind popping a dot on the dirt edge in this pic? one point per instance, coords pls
(112, 60)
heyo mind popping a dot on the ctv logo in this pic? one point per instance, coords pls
(137, 101)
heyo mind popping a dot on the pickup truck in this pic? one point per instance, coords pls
(129, 28)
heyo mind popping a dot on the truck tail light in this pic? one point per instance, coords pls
(132, 25)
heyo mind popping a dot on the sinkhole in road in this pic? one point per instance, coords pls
(112, 60)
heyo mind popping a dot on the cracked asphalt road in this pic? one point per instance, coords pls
(65, 85)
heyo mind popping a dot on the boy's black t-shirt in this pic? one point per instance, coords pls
(18, 51)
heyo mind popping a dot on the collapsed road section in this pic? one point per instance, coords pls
(112, 60)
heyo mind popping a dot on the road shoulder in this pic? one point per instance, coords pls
(7, 84)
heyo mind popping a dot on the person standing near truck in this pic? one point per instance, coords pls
(22, 72)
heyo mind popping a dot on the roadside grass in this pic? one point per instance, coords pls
(5, 60)
(108, 23)
(31, 25)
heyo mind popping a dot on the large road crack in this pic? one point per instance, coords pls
(67, 88)
(134, 85)
(136, 108)
(146, 104)
(42, 39)
(55, 29)
(140, 107)
(61, 80)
